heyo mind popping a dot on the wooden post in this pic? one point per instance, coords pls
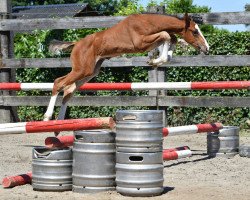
(159, 74)
(7, 114)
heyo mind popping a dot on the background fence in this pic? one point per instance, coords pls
(8, 64)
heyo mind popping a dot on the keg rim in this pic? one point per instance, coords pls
(157, 111)
(224, 131)
(43, 152)
(138, 116)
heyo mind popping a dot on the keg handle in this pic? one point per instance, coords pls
(129, 117)
(135, 158)
(78, 137)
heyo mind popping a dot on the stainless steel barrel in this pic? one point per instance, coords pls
(139, 130)
(139, 174)
(51, 169)
(224, 143)
(93, 161)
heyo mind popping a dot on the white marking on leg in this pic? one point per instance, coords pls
(50, 109)
(164, 55)
(170, 54)
(160, 48)
(206, 43)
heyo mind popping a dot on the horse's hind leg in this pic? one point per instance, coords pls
(55, 92)
(68, 93)
(70, 89)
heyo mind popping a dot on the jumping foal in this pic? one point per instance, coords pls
(136, 33)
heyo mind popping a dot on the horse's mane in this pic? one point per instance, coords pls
(178, 16)
(195, 17)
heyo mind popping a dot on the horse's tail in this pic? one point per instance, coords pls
(57, 47)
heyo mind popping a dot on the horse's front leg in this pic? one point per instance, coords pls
(163, 58)
(164, 39)
(173, 43)
(164, 54)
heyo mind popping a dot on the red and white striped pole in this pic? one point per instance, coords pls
(217, 85)
(191, 129)
(173, 155)
(68, 140)
(176, 149)
(57, 125)
(12, 181)
(60, 141)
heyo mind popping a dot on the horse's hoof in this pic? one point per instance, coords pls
(150, 62)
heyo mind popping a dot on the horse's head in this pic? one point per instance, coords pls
(192, 34)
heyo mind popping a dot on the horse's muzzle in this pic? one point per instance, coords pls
(204, 50)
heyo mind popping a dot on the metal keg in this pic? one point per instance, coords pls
(93, 161)
(139, 130)
(51, 169)
(224, 143)
(139, 174)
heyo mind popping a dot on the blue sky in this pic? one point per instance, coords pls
(219, 6)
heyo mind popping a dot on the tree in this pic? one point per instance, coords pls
(183, 6)
(247, 8)
(106, 7)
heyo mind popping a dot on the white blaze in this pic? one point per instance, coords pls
(197, 27)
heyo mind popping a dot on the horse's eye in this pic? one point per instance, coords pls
(196, 32)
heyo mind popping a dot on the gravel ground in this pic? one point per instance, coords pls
(193, 178)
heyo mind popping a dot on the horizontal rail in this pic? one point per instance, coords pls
(213, 102)
(150, 101)
(57, 125)
(108, 21)
(12, 181)
(212, 85)
(68, 140)
(176, 61)
(174, 155)
(191, 129)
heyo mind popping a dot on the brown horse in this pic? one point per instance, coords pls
(136, 33)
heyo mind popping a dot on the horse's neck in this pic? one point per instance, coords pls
(169, 23)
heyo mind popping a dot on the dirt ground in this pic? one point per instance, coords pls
(193, 178)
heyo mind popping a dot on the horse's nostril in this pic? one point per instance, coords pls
(206, 51)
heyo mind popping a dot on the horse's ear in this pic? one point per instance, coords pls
(187, 20)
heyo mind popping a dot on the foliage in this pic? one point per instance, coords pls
(222, 42)
(107, 7)
(183, 6)
(132, 7)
